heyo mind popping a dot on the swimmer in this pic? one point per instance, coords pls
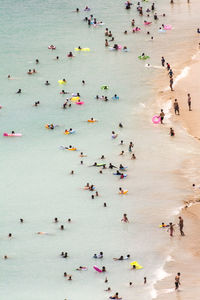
(82, 155)
(83, 82)
(172, 133)
(81, 268)
(19, 91)
(120, 258)
(65, 274)
(133, 156)
(122, 142)
(125, 219)
(105, 205)
(9, 77)
(70, 54)
(108, 289)
(69, 220)
(10, 235)
(77, 10)
(106, 43)
(102, 157)
(29, 72)
(116, 296)
(145, 280)
(57, 57)
(100, 255)
(37, 61)
(5, 257)
(92, 196)
(34, 71)
(21, 221)
(111, 166)
(70, 277)
(94, 256)
(106, 280)
(125, 32)
(103, 269)
(65, 255)
(130, 283)
(47, 83)
(97, 194)
(120, 125)
(72, 172)
(122, 153)
(62, 227)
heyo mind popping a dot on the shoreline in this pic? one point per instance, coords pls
(184, 251)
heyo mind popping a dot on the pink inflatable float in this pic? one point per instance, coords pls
(156, 119)
(12, 134)
(97, 269)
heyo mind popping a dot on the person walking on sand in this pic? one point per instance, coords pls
(171, 84)
(176, 107)
(189, 102)
(163, 61)
(180, 224)
(162, 115)
(171, 229)
(177, 281)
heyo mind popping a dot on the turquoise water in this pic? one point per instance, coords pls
(35, 180)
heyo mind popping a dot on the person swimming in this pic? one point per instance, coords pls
(47, 82)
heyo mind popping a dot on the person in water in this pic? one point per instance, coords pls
(19, 91)
(47, 82)
(171, 229)
(125, 219)
(176, 107)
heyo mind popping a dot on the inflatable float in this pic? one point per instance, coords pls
(167, 27)
(147, 23)
(12, 134)
(104, 87)
(97, 269)
(115, 298)
(161, 30)
(71, 149)
(92, 121)
(156, 119)
(163, 225)
(114, 136)
(80, 103)
(82, 49)
(123, 176)
(136, 264)
(52, 47)
(136, 29)
(115, 97)
(69, 132)
(75, 98)
(62, 81)
(143, 57)
(123, 192)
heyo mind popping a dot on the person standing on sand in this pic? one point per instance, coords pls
(177, 281)
(180, 224)
(162, 115)
(189, 102)
(176, 107)
(171, 229)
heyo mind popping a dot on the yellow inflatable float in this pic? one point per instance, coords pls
(62, 81)
(82, 49)
(136, 264)
(75, 98)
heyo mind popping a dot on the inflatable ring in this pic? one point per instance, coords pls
(92, 121)
(156, 119)
(124, 192)
(52, 47)
(80, 103)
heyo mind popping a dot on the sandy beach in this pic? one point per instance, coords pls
(185, 250)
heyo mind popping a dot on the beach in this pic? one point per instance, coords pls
(45, 176)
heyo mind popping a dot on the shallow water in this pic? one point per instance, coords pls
(35, 181)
